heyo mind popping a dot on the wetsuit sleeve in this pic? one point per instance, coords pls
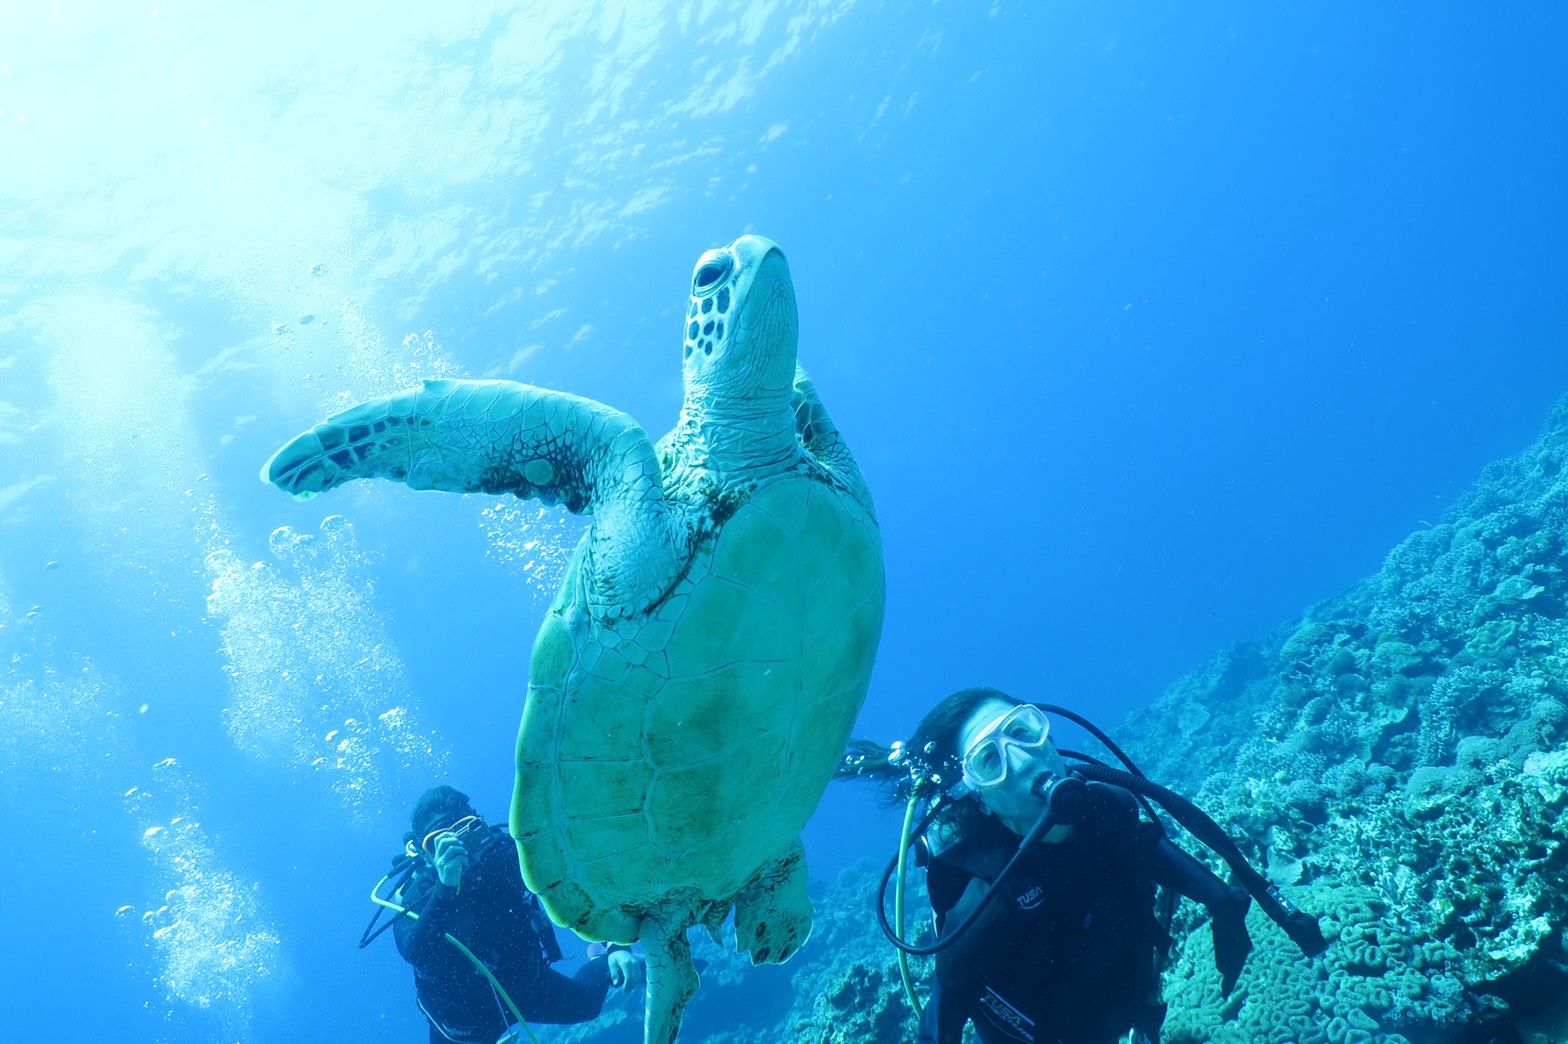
(1226, 904)
(553, 997)
(416, 940)
(1177, 870)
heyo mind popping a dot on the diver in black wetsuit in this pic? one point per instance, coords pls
(468, 885)
(1068, 951)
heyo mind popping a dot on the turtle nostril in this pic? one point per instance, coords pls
(711, 273)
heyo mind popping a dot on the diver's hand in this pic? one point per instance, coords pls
(451, 859)
(1232, 942)
(626, 970)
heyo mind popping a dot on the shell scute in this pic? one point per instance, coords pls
(553, 654)
(683, 805)
(655, 635)
(570, 895)
(649, 679)
(655, 672)
(853, 639)
(535, 802)
(720, 710)
(787, 502)
(606, 713)
(758, 553)
(545, 862)
(834, 592)
(727, 621)
(623, 878)
(821, 535)
(817, 742)
(603, 789)
(710, 821)
(615, 663)
(608, 837)
(589, 650)
(535, 735)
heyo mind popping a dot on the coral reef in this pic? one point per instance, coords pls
(1396, 760)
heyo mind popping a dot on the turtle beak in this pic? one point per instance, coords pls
(763, 285)
(752, 253)
(771, 269)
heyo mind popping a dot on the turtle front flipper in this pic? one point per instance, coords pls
(672, 978)
(505, 437)
(464, 437)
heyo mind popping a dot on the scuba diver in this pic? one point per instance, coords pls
(479, 942)
(1043, 878)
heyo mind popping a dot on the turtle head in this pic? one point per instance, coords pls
(741, 326)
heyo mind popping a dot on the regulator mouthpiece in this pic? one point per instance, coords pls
(1063, 796)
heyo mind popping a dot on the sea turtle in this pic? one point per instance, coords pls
(695, 681)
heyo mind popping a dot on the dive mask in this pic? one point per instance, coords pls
(459, 828)
(985, 762)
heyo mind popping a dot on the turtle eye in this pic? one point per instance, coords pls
(712, 273)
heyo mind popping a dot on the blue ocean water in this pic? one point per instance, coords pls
(1149, 325)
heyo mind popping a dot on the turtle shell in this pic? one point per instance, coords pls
(672, 754)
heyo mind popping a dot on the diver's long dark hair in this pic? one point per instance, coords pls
(931, 752)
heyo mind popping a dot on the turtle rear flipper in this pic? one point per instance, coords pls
(672, 978)
(505, 437)
(773, 914)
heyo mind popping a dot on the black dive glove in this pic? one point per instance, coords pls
(1232, 943)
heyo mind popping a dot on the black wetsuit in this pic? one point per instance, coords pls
(494, 915)
(1067, 953)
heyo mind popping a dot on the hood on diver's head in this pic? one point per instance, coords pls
(438, 807)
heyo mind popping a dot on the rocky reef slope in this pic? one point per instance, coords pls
(1397, 759)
